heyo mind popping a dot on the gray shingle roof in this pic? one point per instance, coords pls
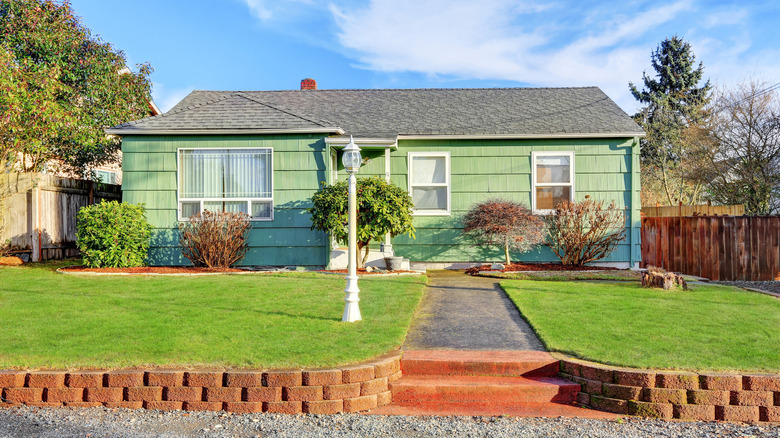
(388, 113)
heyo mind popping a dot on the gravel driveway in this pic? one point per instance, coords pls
(769, 286)
(102, 422)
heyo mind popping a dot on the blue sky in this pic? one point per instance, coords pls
(273, 44)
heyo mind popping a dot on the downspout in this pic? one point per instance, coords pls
(635, 188)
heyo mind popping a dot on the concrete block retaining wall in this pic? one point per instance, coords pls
(685, 395)
(323, 391)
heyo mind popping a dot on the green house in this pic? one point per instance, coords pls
(266, 152)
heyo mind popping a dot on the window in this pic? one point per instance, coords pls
(429, 182)
(236, 180)
(552, 176)
(105, 176)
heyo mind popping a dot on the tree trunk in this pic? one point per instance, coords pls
(361, 260)
(506, 253)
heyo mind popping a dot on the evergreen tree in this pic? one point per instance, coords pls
(673, 102)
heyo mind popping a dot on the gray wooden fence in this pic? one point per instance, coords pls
(39, 212)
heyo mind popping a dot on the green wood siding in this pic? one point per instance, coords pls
(299, 164)
(484, 169)
(606, 169)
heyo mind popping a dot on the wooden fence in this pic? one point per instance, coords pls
(39, 212)
(693, 210)
(719, 248)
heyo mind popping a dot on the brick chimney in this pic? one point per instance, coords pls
(308, 84)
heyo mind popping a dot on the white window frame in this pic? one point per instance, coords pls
(447, 183)
(202, 200)
(534, 184)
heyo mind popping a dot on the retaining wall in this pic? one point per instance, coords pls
(323, 391)
(685, 395)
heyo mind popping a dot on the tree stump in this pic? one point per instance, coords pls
(657, 277)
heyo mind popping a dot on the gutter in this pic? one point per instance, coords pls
(325, 130)
(521, 136)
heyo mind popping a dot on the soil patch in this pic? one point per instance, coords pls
(514, 267)
(153, 270)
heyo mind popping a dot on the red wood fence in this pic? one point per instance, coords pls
(719, 248)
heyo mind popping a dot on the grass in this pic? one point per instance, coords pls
(54, 321)
(707, 328)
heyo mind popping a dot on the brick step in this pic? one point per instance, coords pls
(479, 363)
(483, 389)
(488, 409)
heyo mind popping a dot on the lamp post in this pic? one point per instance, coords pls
(352, 160)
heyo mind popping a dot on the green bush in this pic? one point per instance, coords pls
(113, 235)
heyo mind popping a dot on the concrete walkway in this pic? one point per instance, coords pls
(461, 312)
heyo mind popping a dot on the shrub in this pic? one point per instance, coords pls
(215, 239)
(382, 208)
(585, 231)
(113, 235)
(507, 224)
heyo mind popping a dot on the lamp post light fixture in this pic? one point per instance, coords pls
(352, 160)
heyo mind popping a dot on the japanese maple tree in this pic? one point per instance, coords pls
(506, 224)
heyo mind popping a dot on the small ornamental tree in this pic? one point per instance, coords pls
(214, 239)
(382, 208)
(585, 231)
(113, 235)
(503, 223)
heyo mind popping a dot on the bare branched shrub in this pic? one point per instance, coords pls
(214, 239)
(509, 225)
(585, 231)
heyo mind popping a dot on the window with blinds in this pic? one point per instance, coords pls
(235, 180)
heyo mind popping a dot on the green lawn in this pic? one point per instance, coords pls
(285, 320)
(707, 328)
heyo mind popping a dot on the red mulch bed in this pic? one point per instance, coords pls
(363, 272)
(536, 267)
(153, 270)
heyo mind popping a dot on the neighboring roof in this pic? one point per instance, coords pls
(521, 112)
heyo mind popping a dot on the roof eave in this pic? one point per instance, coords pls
(364, 142)
(126, 131)
(562, 135)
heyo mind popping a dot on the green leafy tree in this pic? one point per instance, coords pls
(60, 88)
(382, 208)
(673, 103)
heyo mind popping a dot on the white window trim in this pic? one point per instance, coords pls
(570, 184)
(447, 183)
(201, 200)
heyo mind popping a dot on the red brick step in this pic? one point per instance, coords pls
(490, 410)
(482, 363)
(469, 389)
(517, 383)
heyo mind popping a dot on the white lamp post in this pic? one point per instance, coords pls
(352, 160)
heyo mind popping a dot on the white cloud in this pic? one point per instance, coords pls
(532, 42)
(265, 9)
(258, 9)
(725, 18)
(503, 40)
